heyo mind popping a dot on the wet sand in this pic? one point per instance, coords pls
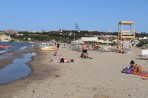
(5, 62)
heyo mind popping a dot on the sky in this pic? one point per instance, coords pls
(91, 15)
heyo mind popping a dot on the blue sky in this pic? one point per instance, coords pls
(99, 15)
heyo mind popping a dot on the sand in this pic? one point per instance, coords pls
(99, 77)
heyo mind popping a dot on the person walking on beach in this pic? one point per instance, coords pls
(58, 45)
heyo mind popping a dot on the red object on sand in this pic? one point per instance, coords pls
(5, 47)
(142, 73)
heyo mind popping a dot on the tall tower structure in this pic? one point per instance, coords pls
(126, 35)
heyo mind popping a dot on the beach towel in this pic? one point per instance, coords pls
(136, 71)
(142, 73)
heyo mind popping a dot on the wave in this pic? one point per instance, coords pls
(16, 46)
(24, 47)
(3, 51)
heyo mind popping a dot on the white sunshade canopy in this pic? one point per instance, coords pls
(108, 42)
(101, 41)
(78, 41)
(115, 40)
(89, 39)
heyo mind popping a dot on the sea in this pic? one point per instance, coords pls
(16, 46)
(18, 68)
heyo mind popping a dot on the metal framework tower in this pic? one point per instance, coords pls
(126, 35)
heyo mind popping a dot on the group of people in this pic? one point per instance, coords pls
(61, 59)
(84, 51)
(131, 69)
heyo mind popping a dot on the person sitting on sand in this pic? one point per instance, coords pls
(135, 67)
(55, 52)
(132, 69)
(84, 55)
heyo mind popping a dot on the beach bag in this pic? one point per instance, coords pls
(127, 70)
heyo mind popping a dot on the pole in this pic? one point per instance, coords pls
(77, 29)
(74, 36)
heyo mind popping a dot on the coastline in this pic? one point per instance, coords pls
(38, 74)
(9, 57)
(99, 77)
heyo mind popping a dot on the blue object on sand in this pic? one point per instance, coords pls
(127, 70)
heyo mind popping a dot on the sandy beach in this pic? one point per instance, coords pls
(99, 77)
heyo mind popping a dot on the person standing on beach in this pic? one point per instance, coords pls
(58, 45)
(84, 51)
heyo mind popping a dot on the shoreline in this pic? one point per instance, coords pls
(86, 78)
(37, 75)
(10, 56)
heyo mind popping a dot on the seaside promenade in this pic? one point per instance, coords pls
(99, 77)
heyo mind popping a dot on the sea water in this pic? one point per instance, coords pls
(15, 47)
(18, 68)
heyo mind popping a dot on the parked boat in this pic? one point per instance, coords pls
(5, 47)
